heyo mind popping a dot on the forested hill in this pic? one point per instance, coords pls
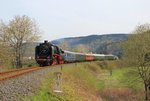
(108, 43)
(105, 44)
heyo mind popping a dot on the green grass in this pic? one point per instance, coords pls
(121, 77)
(80, 80)
(29, 63)
(87, 72)
(45, 93)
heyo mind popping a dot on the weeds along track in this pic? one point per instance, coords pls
(17, 72)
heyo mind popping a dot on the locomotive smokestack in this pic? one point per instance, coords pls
(45, 41)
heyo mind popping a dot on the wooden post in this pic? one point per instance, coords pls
(61, 67)
(76, 64)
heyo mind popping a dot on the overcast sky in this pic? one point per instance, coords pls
(66, 18)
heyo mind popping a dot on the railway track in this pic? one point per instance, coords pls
(17, 72)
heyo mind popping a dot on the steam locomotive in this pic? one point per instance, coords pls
(48, 54)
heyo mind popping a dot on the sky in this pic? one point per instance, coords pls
(71, 18)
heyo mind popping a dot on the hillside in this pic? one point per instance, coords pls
(106, 44)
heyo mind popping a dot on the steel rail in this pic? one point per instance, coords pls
(17, 72)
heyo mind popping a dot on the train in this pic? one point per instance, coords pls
(48, 54)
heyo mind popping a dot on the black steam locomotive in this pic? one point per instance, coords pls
(48, 54)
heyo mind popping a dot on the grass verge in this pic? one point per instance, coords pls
(90, 81)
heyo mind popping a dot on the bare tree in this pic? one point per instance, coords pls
(18, 31)
(137, 54)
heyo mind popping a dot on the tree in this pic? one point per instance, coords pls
(136, 53)
(6, 56)
(18, 31)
